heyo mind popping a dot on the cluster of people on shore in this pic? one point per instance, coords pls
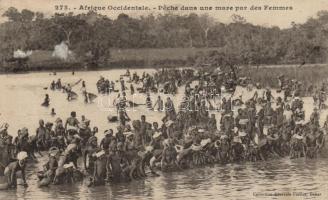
(191, 136)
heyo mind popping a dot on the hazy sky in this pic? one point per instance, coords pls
(302, 9)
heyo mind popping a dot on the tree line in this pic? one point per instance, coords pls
(91, 36)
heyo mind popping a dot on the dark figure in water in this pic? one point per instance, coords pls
(107, 87)
(268, 95)
(69, 92)
(53, 113)
(46, 101)
(159, 104)
(132, 89)
(73, 73)
(84, 92)
(122, 85)
(58, 84)
(148, 102)
(53, 85)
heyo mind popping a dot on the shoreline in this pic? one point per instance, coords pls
(131, 67)
(79, 69)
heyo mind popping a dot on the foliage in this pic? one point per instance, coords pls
(91, 35)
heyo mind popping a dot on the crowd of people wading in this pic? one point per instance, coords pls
(195, 133)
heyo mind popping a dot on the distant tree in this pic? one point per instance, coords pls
(12, 14)
(206, 23)
(39, 16)
(17, 31)
(27, 15)
(127, 32)
(95, 48)
(69, 25)
(91, 35)
(192, 23)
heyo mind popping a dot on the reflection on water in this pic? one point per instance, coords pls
(20, 106)
(232, 181)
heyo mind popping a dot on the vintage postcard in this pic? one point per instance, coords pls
(164, 99)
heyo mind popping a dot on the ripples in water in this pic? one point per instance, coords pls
(231, 181)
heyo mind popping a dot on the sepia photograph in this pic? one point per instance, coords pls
(164, 99)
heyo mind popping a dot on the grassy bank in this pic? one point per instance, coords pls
(131, 58)
(309, 75)
(151, 55)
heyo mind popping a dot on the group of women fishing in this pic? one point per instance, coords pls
(195, 134)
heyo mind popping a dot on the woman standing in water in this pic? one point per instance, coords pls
(84, 92)
(72, 124)
(159, 103)
(14, 167)
(69, 92)
(46, 101)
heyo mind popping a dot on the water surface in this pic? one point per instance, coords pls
(20, 99)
